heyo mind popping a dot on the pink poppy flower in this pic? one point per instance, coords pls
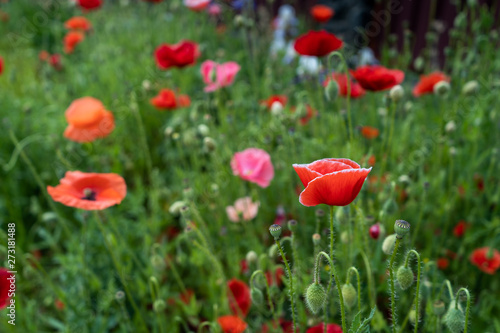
(254, 165)
(196, 5)
(218, 75)
(243, 209)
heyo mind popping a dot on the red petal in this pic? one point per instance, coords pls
(305, 174)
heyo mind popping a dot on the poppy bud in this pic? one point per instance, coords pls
(301, 111)
(175, 208)
(375, 231)
(273, 251)
(408, 106)
(292, 225)
(276, 108)
(401, 227)
(251, 257)
(120, 296)
(157, 262)
(418, 64)
(209, 144)
(315, 297)
(388, 244)
(203, 130)
(412, 316)
(344, 237)
(450, 126)
(382, 112)
(454, 319)
(256, 296)
(159, 305)
(349, 293)
(239, 21)
(332, 90)
(438, 308)
(146, 85)
(169, 131)
(470, 88)
(275, 231)
(316, 239)
(396, 93)
(405, 277)
(442, 88)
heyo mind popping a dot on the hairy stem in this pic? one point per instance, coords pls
(393, 291)
(290, 279)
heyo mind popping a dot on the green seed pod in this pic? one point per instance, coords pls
(401, 227)
(257, 296)
(350, 295)
(159, 305)
(454, 319)
(405, 277)
(292, 225)
(332, 90)
(388, 244)
(438, 308)
(396, 93)
(315, 297)
(275, 231)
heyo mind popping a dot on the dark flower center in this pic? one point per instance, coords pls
(88, 194)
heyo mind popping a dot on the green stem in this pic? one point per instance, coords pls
(316, 266)
(348, 97)
(335, 277)
(417, 296)
(290, 279)
(467, 309)
(119, 271)
(353, 269)
(393, 291)
(370, 280)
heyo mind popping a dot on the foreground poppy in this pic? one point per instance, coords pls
(243, 209)
(90, 4)
(232, 324)
(78, 23)
(341, 79)
(240, 300)
(378, 78)
(331, 181)
(218, 75)
(427, 83)
(167, 100)
(88, 120)
(178, 55)
(321, 13)
(317, 43)
(89, 191)
(330, 328)
(254, 165)
(369, 132)
(71, 40)
(4, 287)
(486, 259)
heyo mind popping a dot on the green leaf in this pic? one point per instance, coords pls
(361, 327)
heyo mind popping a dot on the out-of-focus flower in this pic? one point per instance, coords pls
(321, 13)
(239, 297)
(375, 231)
(232, 324)
(214, 9)
(196, 5)
(282, 99)
(90, 4)
(167, 100)
(317, 43)
(307, 114)
(78, 23)
(442, 263)
(378, 78)
(330, 328)
(427, 83)
(276, 278)
(55, 61)
(217, 75)
(178, 55)
(486, 259)
(286, 326)
(254, 165)
(341, 79)
(43, 55)
(308, 66)
(331, 181)
(89, 191)
(369, 132)
(71, 40)
(88, 120)
(59, 304)
(243, 209)
(4, 287)
(460, 228)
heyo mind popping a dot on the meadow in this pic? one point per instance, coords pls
(159, 175)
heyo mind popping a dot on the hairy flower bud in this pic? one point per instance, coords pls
(159, 305)
(388, 244)
(454, 319)
(396, 93)
(315, 297)
(401, 227)
(257, 296)
(350, 295)
(275, 231)
(405, 277)
(438, 308)
(332, 90)
(251, 257)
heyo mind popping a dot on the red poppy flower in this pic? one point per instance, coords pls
(232, 324)
(186, 296)
(240, 300)
(321, 13)
(356, 90)
(427, 83)
(317, 43)
(243, 266)
(275, 98)
(167, 100)
(486, 259)
(88, 120)
(90, 4)
(331, 181)
(55, 61)
(78, 23)
(372, 160)
(460, 228)
(4, 287)
(479, 182)
(179, 55)
(310, 113)
(378, 78)
(59, 304)
(369, 132)
(276, 279)
(89, 191)
(71, 40)
(442, 263)
(330, 328)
